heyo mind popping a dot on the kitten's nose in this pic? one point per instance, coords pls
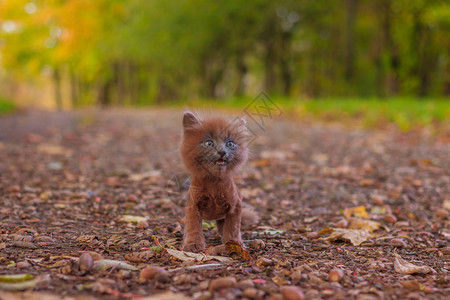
(221, 153)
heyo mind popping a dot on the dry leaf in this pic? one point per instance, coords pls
(104, 264)
(156, 175)
(51, 149)
(358, 211)
(236, 247)
(24, 284)
(12, 278)
(86, 239)
(406, 268)
(132, 219)
(166, 296)
(196, 257)
(367, 182)
(370, 226)
(355, 236)
(446, 204)
(216, 250)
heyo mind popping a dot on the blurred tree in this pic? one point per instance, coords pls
(118, 52)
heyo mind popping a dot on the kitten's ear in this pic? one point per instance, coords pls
(241, 124)
(189, 120)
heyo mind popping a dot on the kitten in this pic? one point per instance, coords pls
(212, 149)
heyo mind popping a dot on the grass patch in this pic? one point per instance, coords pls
(6, 106)
(406, 113)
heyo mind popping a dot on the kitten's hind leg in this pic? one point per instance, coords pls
(219, 224)
(232, 226)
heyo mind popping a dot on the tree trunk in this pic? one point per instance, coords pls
(392, 84)
(351, 6)
(270, 55)
(58, 93)
(74, 92)
(104, 95)
(242, 69)
(285, 66)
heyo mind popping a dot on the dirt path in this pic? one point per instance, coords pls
(66, 179)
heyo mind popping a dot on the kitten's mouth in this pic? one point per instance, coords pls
(221, 163)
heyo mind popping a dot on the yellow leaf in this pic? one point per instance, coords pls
(358, 211)
(356, 223)
(354, 236)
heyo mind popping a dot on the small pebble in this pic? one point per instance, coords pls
(292, 293)
(397, 243)
(378, 199)
(313, 235)
(43, 238)
(342, 224)
(222, 283)
(296, 274)
(156, 273)
(204, 285)
(182, 279)
(85, 262)
(390, 218)
(202, 295)
(12, 189)
(264, 262)
(258, 244)
(132, 198)
(253, 293)
(335, 275)
(23, 238)
(142, 225)
(95, 256)
(23, 264)
(245, 284)
(275, 296)
(441, 213)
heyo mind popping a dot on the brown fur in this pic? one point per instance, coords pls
(212, 194)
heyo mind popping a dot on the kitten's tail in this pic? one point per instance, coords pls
(249, 216)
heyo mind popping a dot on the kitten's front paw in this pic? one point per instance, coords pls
(194, 247)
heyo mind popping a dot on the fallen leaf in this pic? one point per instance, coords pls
(446, 204)
(235, 247)
(413, 285)
(198, 267)
(20, 244)
(267, 230)
(216, 250)
(132, 219)
(51, 149)
(406, 268)
(367, 182)
(15, 277)
(358, 211)
(167, 296)
(153, 175)
(86, 239)
(104, 264)
(22, 285)
(196, 257)
(260, 163)
(370, 226)
(355, 236)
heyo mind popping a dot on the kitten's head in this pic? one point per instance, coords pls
(213, 147)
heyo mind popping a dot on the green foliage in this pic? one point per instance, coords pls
(6, 106)
(405, 113)
(143, 52)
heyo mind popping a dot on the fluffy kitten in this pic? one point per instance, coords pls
(211, 150)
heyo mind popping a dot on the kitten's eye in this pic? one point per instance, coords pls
(231, 145)
(208, 143)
